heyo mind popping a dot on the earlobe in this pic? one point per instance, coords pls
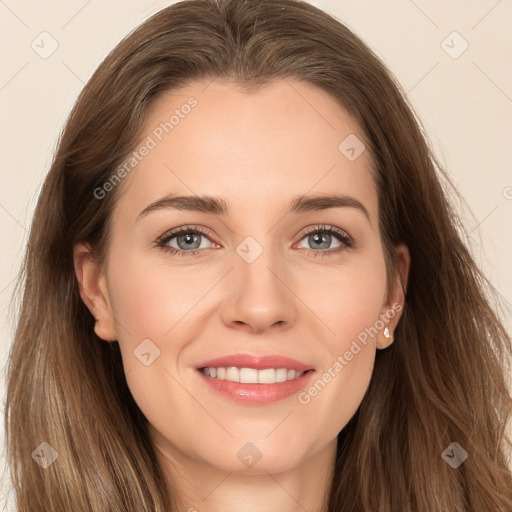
(94, 291)
(396, 299)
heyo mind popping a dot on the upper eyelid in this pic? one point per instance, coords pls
(183, 229)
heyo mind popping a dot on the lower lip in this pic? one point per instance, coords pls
(257, 393)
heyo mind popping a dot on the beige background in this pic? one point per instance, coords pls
(465, 104)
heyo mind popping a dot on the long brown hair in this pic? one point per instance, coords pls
(441, 381)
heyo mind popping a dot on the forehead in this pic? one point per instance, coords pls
(289, 138)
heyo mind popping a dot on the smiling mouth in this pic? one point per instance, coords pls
(252, 375)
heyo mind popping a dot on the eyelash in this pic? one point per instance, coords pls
(342, 236)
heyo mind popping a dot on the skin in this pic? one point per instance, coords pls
(256, 151)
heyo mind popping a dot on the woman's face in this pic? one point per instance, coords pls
(263, 278)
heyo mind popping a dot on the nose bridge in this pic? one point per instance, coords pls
(258, 294)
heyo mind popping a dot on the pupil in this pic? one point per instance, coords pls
(321, 238)
(188, 239)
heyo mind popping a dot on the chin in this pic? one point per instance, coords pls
(257, 459)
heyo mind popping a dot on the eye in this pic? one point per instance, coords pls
(321, 237)
(187, 240)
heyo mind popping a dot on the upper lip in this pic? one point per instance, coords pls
(257, 362)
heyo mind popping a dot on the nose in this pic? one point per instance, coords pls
(259, 295)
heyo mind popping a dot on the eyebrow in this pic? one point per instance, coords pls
(217, 206)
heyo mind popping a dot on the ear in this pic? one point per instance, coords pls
(393, 308)
(94, 291)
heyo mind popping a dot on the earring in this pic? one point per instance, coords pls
(387, 334)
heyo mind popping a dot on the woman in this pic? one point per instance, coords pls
(256, 370)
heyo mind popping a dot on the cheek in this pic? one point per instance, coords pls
(349, 307)
(150, 305)
(339, 388)
(348, 301)
(150, 298)
(331, 400)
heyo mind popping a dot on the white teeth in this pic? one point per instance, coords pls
(251, 375)
(268, 376)
(281, 374)
(233, 374)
